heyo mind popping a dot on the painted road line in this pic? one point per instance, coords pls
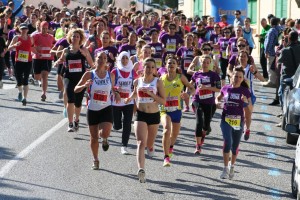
(9, 86)
(274, 172)
(266, 115)
(263, 98)
(271, 155)
(267, 127)
(271, 139)
(6, 168)
(275, 194)
(263, 107)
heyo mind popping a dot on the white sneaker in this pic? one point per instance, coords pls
(151, 152)
(231, 172)
(225, 173)
(141, 175)
(1, 85)
(124, 151)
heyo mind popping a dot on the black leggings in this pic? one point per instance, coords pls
(22, 71)
(2, 63)
(127, 118)
(73, 97)
(204, 114)
(7, 57)
(223, 64)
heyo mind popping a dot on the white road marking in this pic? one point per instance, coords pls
(6, 168)
(8, 86)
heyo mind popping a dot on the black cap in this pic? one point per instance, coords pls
(293, 35)
(237, 11)
(270, 16)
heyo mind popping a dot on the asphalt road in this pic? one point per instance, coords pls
(40, 160)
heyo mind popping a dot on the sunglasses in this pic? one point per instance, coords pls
(227, 32)
(241, 45)
(217, 27)
(206, 49)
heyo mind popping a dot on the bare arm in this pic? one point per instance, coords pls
(192, 66)
(13, 44)
(84, 82)
(190, 87)
(161, 98)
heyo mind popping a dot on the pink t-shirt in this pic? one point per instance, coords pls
(44, 44)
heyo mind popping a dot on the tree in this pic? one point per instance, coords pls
(298, 3)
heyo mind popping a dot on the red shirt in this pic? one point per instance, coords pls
(23, 52)
(44, 44)
(223, 24)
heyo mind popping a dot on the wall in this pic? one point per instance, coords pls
(187, 8)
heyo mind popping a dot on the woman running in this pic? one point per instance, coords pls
(125, 75)
(99, 110)
(149, 92)
(207, 83)
(235, 96)
(170, 113)
(75, 57)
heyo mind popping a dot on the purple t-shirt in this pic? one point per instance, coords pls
(170, 43)
(223, 42)
(131, 49)
(62, 42)
(140, 31)
(208, 79)
(157, 53)
(107, 50)
(11, 34)
(187, 56)
(163, 70)
(54, 25)
(233, 46)
(233, 104)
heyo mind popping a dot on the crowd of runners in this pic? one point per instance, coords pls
(135, 66)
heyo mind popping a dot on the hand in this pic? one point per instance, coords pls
(82, 52)
(267, 55)
(117, 97)
(92, 45)
(184, 95)
(88, 83)
(127, 100)
(244, 99)
(252, 70)
(18, 44)
(219, 105)
(111, 56)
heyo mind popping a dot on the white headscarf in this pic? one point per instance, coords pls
(120, 66)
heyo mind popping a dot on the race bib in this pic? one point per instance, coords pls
(124, 93)
(45, 52)
(100, 97)
(171, 104)
(224, 55)
(171, 47)
(186, 64)
(75, 66)
(216, 52)
(144, 97)
(23, 56)
(158, 62)
(234, 121)
(46, 55)
(205, 94)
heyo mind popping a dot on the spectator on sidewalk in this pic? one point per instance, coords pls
(238, 21)
(223, 23)
(263, 61)
(271, 41)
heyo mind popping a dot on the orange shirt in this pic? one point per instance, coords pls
(44, 44)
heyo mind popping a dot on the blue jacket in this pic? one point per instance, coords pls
(271, 40)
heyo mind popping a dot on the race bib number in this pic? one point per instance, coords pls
(171, 47)
(158, 62)
(216, 52)
(205, 94)
(23, 56)
(186, 64)
(234, 121)
(144, 97)
(75, 66)
(171, 104)
(100, 97)
(124, 93)
(224, 55)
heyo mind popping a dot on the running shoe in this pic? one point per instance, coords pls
(197, 150)
(1, 85)
(247, 134)
(150, 152)
(95, 165)
(71, 127)
(24, 102)
(36, 82)
(43, 97)
(231, 172)
(76, 125)
(187, 109)
(141, 175)
(40, 83)
(124, 150)
(20, 96)
(225, 173)
(65, 113)
(11, 78)
(105, 144)
(171, 152)
(61, 95)
(167, 162)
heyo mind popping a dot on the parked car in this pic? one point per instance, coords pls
(291, 108)
(296, 173)
(157, 6)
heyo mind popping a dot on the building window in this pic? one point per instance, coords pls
(281, 8)
(198, 8)
(252, 10)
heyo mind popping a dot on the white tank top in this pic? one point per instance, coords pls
(249, 77)
(100, 92)
(144, 97)
(125, 87)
